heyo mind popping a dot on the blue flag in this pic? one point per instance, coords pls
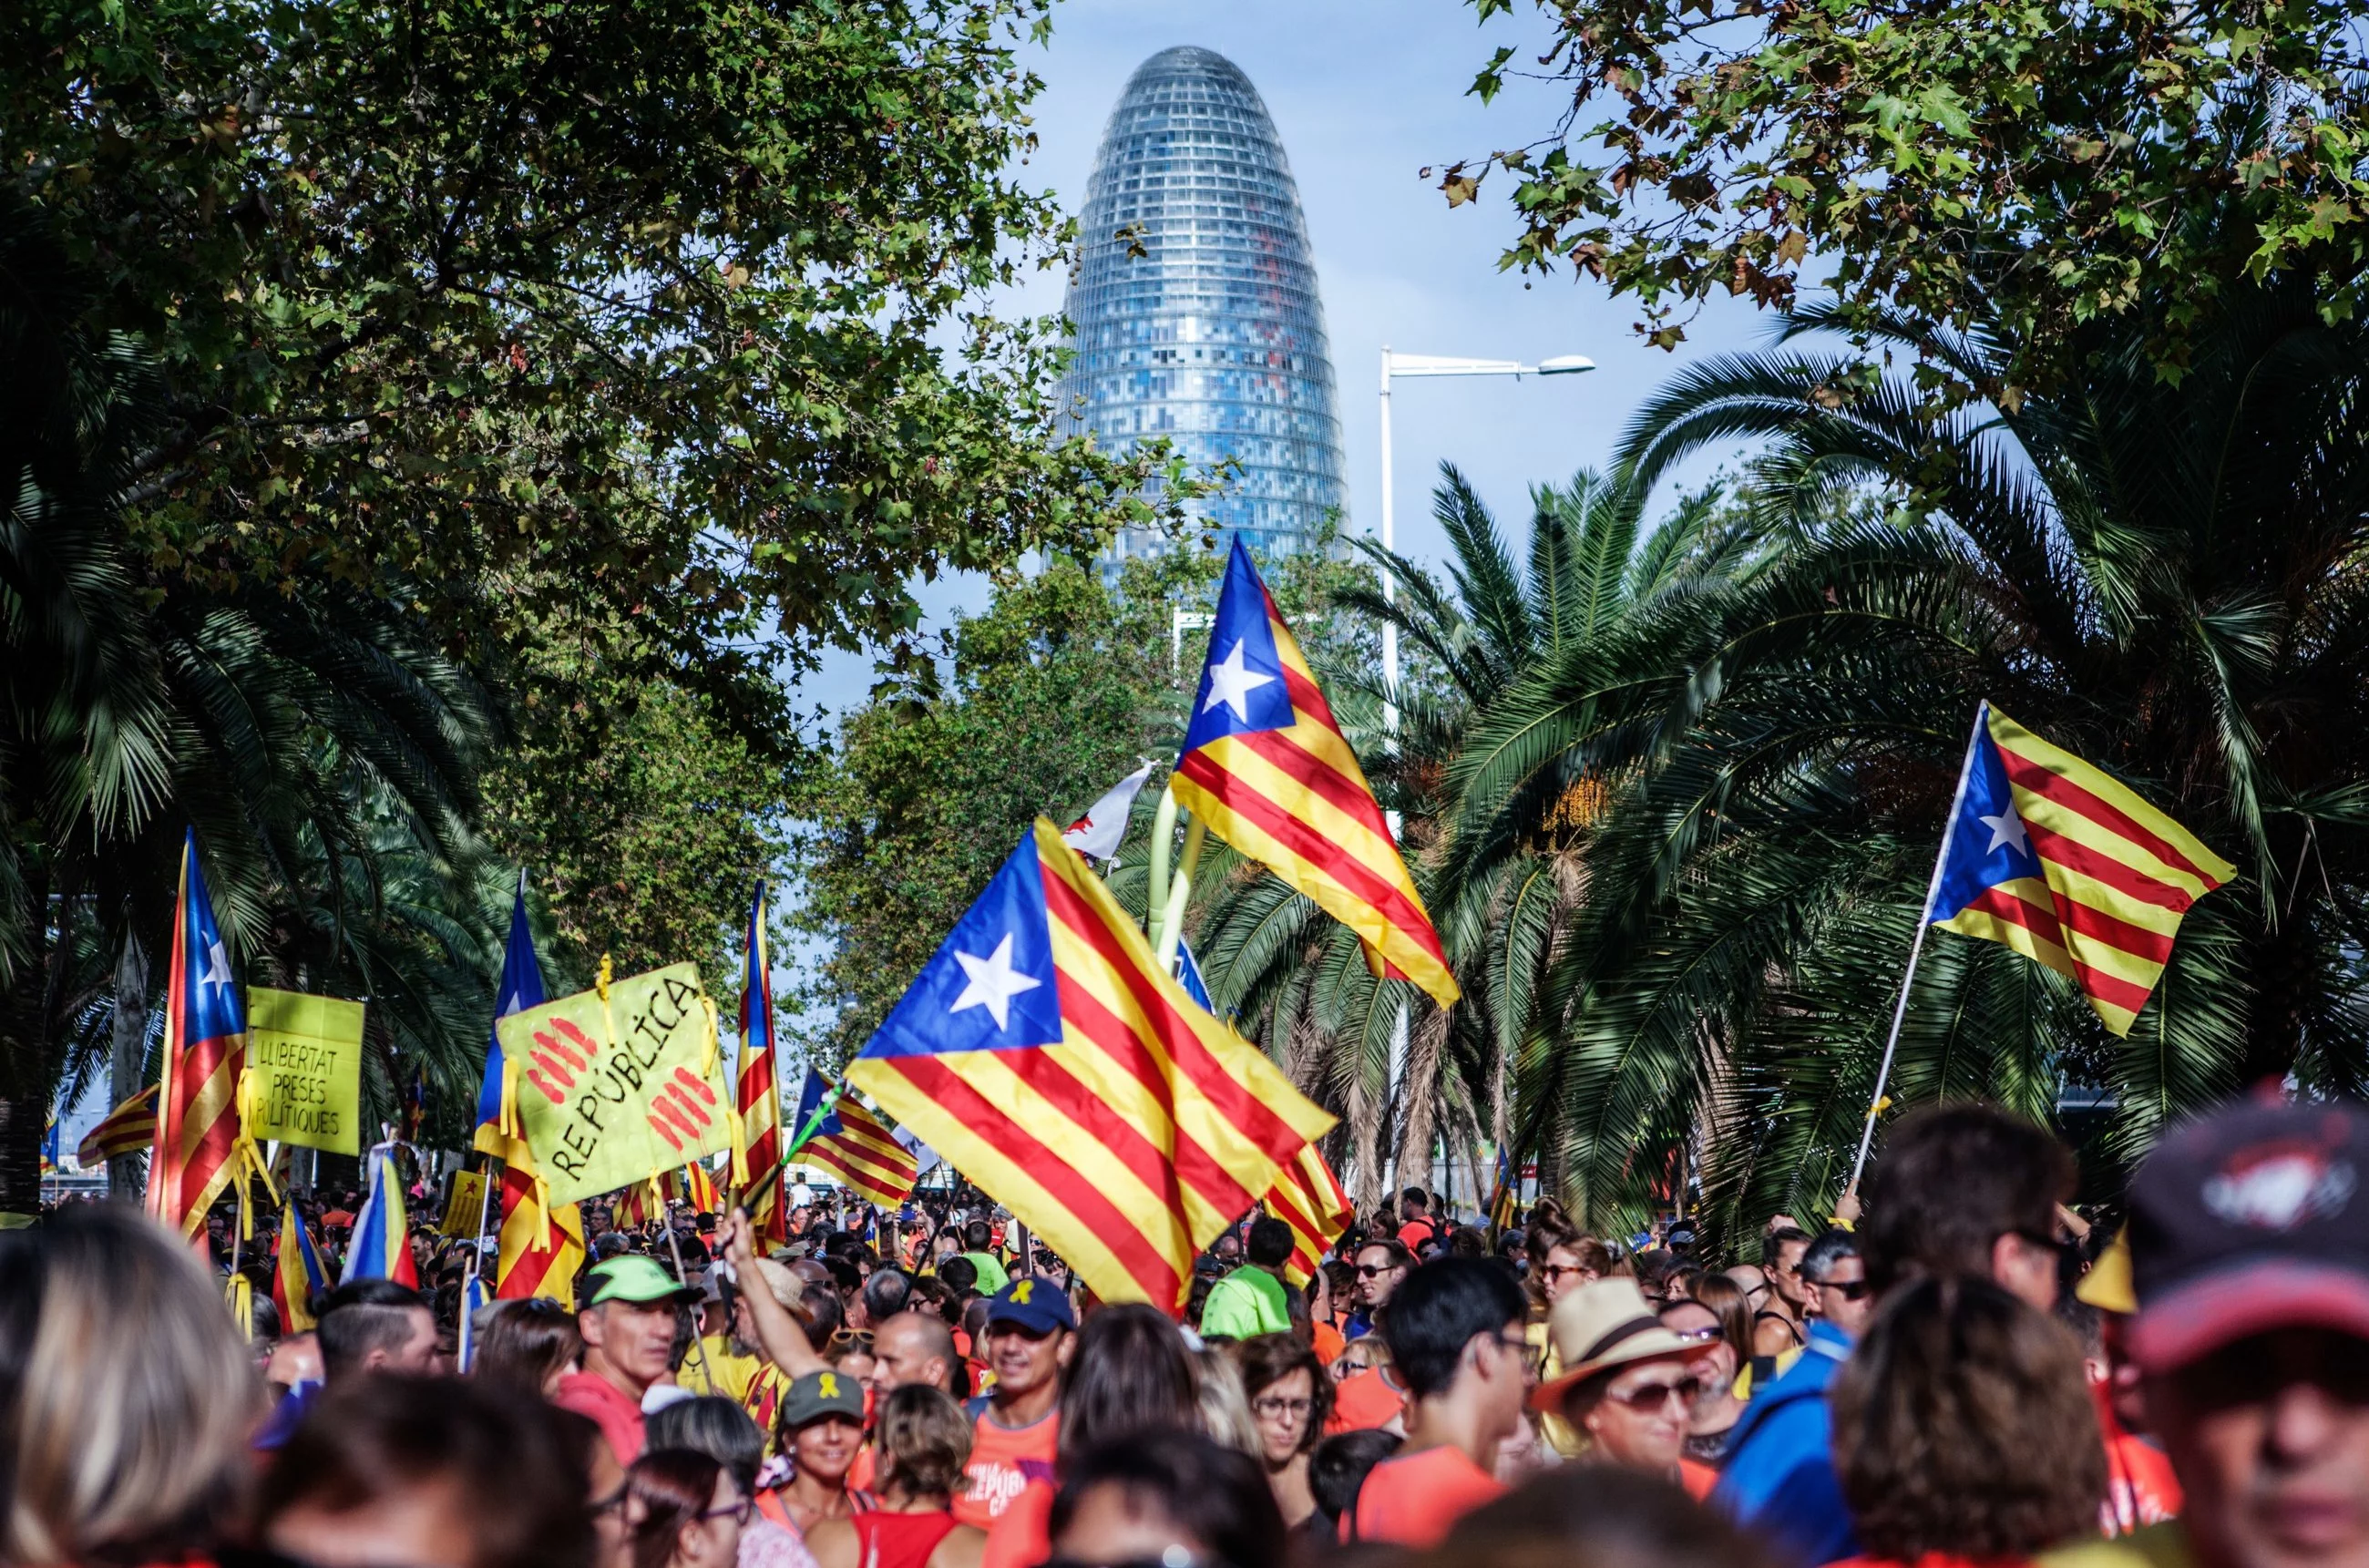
(521, 988)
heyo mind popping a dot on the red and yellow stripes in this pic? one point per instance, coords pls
(1307, 1197)
(196, 1122)
(540, 1248)
(758, 1095)
(128, 1129)
(2116, 877)
(1296, 801)
(1127, 1146)
(866, 1156)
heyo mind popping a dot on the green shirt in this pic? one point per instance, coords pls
(1245, 1304)
(991, 1277)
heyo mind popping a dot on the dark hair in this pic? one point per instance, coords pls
(1220, 1494)
(1129, 1372)
(367, 1315)
(674, 1487)
(924, 1440)
(1953, 1180)
(1271, 1242)
(1728, 1302)
(510, 1472)
(1438, 1310)
(1598, 1517)
(960, 1274)
(1828, 1249)
(885, 1293)
(1964, 1423)
(976, 1235)
(1468, 1242)
(1399, 1255)
(715, 1426)
(1415, 1195)
(524, 1343)
(1777, 1241)
(1267, 1360)
(1338, 1466)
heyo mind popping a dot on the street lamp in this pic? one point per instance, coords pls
(1427, 365)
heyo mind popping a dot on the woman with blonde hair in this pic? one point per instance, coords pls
(126, 1396)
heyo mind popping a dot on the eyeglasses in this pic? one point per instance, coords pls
(1276, 1408)
(1557, 1270)
(611, 1504)
(859, 1339)
(738, 1512)
(1849, 1289)
(1369, 1270)
(1650, 1398)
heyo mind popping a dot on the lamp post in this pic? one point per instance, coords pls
(1395, 364)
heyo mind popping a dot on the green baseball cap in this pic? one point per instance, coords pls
(818, 1394)
(634, 1278)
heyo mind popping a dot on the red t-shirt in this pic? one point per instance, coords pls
(1004, 1460)
(1022, 1537)
(616, 1413)
(1414, 1500)
(1697, 1478)
(1415, 1234)
(1364, 1401)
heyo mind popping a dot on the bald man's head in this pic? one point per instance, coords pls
(912, 1348)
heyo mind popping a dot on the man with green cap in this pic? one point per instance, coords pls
(626, 1314)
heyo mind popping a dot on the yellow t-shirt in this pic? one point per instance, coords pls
(730, 1373)
(2151, 1546)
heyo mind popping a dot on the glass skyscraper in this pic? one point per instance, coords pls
(1194, 303)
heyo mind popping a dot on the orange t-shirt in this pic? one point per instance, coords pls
(1022, 1537)
(1004, 1460)
(1364, 1401)
(1414, 1500)
(1697, 1478)
(864, 1470)
(1326, 1341)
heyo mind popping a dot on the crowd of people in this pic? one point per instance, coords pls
(1959, 1370)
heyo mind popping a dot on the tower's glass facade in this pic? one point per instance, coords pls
(1195, 303)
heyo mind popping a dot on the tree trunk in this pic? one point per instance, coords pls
(24, 1062)
(1418, 1097)
(1366, 1144)
(128, 1063)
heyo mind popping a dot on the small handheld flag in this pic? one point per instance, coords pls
(297, 1278)
(381, 1248)
(1041, 1051)
(758, 1095)
(205, 1050)
(127, 1129)
(867, 1156)
(1265, 766)
(1099, 832)
(816, 1098)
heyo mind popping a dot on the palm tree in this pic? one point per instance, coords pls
(1591, 568)
(2165, 578)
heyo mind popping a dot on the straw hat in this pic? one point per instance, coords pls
(1607, 1323)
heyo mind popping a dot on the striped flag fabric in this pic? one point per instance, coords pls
(1307, 1197)
(539, 1250)
(127, 1129)
(472, 1297)
(1264, 766)
(2060, 861)
(816, 1099)
(866, 1155)
(759, 1094)
(381, 1248)
(205, 1051)
(297, 1277)
(699, 1189)
(1043, 1052)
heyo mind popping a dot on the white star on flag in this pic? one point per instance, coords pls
(1232, 681)
(993, 982)
(217, 965)
(2007, 828)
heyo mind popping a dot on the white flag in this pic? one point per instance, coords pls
(1096, 834)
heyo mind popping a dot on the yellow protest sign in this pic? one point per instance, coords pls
(604, 1110)
(466, 1206)
(306, 1055)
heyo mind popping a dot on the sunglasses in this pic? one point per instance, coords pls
(1369, 1270)
(1849, 1289)
(1557, 1270)
(861, 1339)
(1650, 1398)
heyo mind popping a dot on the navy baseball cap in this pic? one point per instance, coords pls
(2249, 1218)
(1038, 1305)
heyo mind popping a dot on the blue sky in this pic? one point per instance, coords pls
(1365, 93)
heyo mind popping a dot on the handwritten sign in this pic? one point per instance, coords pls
(306, 1055)
(602, 1111)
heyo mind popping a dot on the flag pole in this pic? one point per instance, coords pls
(1180, 891)
(1916, 949)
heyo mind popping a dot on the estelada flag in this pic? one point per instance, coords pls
(757, 1096)
(297, 1278)
(1044, 1055)
(540, 1249)
(2064, 864)
(1307, 1197)
(205, 1050)
(852, 1142)
(127, 1129)
(381, 1248)
(1264, 766)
